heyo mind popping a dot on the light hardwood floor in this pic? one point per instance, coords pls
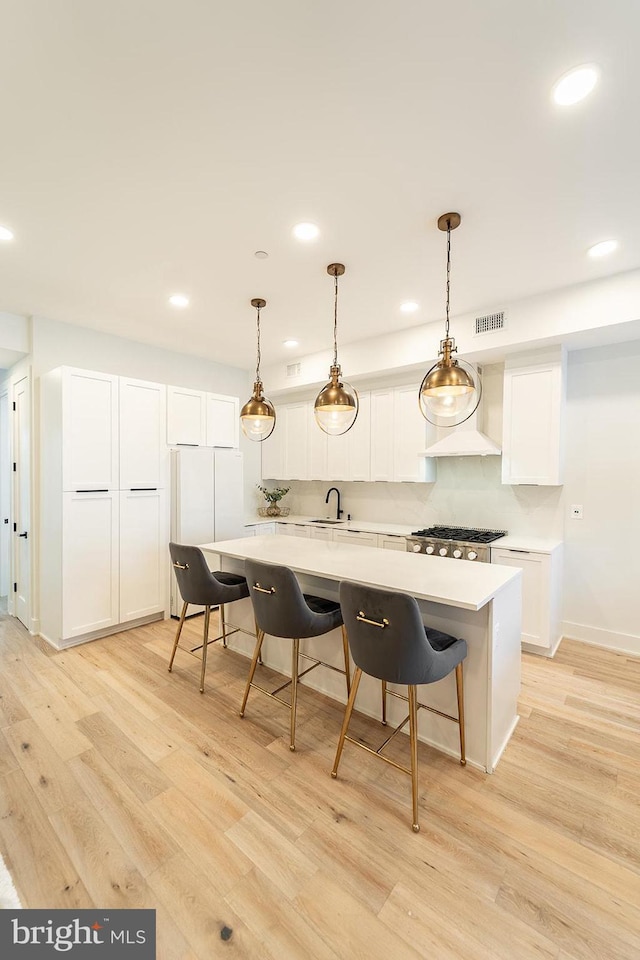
(122, 786)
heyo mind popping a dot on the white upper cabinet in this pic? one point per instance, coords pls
(296, 431)
(359, 442)
(532, 442)
(89, 430)
(223, 421)
(399, 435)
(142, 434)
(186, 417)
(318, 448)
(337, 457)
(272, 449)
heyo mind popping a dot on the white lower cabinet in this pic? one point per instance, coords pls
(259, 529)
(143, 544)
(356, 537)
(541, 576)
(389, 542)
(90, 562)
(321, 533)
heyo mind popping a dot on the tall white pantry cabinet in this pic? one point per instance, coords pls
(103, 524)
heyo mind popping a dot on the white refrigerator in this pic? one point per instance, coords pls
(206, 501)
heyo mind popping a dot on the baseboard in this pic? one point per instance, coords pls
(100, 634)
(596, 637)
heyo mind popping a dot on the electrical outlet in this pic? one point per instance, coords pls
(575, 511)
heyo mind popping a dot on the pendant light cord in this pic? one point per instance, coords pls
(258, 359)
(335, 319)
(448, 274)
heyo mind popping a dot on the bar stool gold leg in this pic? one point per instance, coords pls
(294, 692)
(179, 631)
(384, 703)
(257, 632)
(205, 645)
(252, 669)
(460, 694)
(222, 626)
(413, 736)
(347, 667)
(355, 683)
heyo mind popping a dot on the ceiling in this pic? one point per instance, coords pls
(152, 146)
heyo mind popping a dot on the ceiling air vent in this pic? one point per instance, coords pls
(294, 369)
(489, 323)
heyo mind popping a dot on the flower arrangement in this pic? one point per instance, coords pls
(273, 497)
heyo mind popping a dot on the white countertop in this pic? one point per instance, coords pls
(510, 542)
(363, 526)
(438, 579)
(524, 542)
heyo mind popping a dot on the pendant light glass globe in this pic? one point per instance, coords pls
(337, 404)
(258, 416)
(451, 390)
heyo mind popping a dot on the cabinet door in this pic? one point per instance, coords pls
(317, 448)
(223, 421)
(321, 533)
(89, 562)
(382, 434)
(338, 457)
(536, 613)
(186, 417)
(142, 434)
(143, 553)
(296, 429)
(89, 430)
(356, 538)
(532, 424)
(272, 449)
(359, 441)
(409, 438)
(387, 542)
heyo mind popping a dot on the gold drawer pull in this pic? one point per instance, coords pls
(181, 566)
(260, 589)
(374, 623)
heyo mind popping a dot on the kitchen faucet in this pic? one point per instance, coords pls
(339, 512)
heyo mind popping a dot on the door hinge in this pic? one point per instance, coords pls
(15, 588)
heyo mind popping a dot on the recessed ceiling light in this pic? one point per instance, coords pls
(575, 85)
(5, 234)
(290, 343)
(409, 306)
(306, 231)
(603, 248)
(179, 300)
(261, 254)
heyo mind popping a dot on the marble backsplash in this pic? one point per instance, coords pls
(468, 492)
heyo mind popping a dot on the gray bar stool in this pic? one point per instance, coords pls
(389, 641)
(197, 584)
(282, 610)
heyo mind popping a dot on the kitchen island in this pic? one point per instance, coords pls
(480, 602)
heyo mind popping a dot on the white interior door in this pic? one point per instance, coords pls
(5, 496)
(21, 512)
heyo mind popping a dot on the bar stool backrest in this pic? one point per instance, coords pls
(278, 602)
(195, 581)
(387, 636)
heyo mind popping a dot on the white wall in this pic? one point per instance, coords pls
(602, 551)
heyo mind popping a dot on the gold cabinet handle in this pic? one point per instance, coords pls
(181, 566)
(374, 623)
(260, 589)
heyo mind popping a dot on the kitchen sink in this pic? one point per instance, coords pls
(326, 521)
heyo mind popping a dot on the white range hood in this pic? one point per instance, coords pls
(466, 440)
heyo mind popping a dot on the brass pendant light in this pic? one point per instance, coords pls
(258, 416)
(336, 406)
(451, 390)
